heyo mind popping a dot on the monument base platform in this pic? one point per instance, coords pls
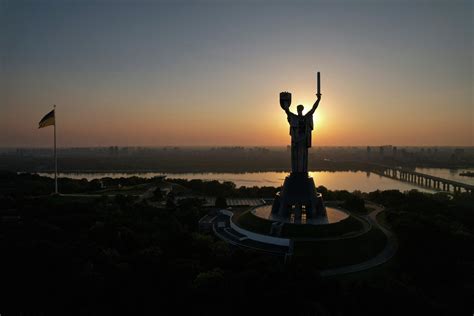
(298, 197)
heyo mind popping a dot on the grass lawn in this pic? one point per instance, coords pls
(126, 190)
(336, 253)
(65, 199)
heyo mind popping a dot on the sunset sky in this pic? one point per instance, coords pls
(209, 72)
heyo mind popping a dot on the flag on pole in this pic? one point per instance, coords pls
(47, 120)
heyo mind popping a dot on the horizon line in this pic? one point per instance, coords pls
(225, 146)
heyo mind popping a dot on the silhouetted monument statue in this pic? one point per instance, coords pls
(301, 127)
(298, 195)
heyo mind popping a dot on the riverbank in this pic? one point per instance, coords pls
(335, 180)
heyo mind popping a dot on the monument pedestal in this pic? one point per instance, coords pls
(298, 196)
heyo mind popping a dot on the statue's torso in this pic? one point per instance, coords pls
(300, 128)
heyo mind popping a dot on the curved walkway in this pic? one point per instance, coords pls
(385, 255)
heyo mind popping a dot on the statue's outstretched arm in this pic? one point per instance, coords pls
(315, 106)
(286, 109)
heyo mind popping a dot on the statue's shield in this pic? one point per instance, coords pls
(285, 99)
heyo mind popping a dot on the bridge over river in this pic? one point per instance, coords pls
(421, 179)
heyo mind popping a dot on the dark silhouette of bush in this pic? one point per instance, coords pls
(221, 202)
(355, 203)
(158, 195)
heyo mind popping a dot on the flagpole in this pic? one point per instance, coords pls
(55, 156)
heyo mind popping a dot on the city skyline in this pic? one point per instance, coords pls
(207, 74)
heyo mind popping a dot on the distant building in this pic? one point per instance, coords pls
(459, 151)
(458, 154)
(385, 150)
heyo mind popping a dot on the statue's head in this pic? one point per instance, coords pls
(300, 109)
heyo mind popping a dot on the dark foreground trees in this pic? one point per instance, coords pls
(114, 255)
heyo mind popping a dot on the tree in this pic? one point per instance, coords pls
(355, 203)
(221, 202)
(170, 200)
(157, 195)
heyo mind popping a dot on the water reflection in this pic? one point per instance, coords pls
(339, 180)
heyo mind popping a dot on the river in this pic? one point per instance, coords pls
(338, 180)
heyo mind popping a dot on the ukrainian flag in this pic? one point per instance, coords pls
(47, 120)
